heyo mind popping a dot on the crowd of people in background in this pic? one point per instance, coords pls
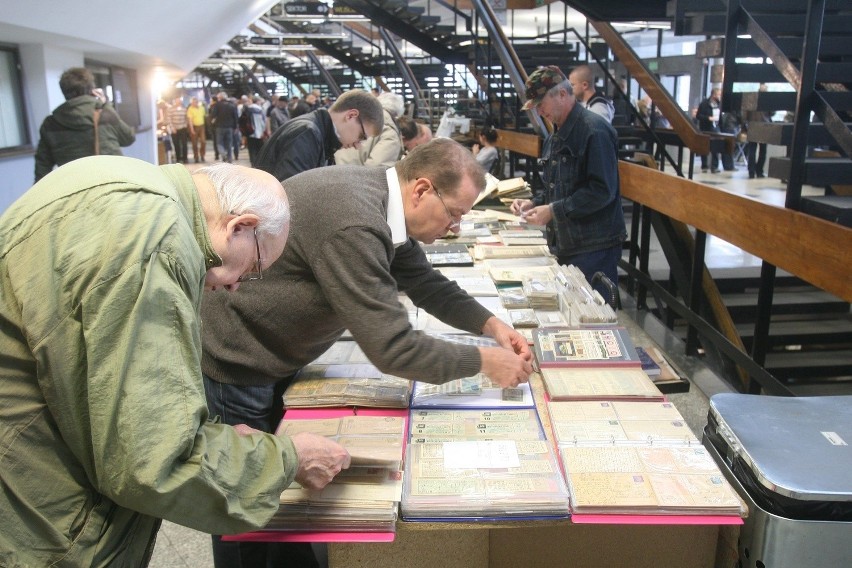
(246, 123)
(233, 124)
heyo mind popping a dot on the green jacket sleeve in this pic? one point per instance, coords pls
(152, 447)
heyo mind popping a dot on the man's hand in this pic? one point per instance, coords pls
(518, 206)
(503, 367)
(540, 215)
(507, 337)
(320, 459)
(99, 94)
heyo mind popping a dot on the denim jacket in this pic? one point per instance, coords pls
(579, 168)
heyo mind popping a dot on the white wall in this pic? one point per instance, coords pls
(42, 65)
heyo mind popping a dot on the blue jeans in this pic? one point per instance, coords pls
(604, 260)
(260, 407)
(225, 143)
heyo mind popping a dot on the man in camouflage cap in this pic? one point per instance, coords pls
(540, 82)
(580, 201)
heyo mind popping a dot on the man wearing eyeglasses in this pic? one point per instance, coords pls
(310, 140)
(580, 202)
(352, 249)
(104, 427)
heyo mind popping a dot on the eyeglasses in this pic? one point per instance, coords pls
(256, 273)
(455, 222)
(363, 132)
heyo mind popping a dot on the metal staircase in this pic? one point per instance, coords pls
(804, 44)
(798, 333)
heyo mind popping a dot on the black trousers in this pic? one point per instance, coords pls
(756, 158)
(180, 139)
(260, 407)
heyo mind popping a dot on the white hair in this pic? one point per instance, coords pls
(393, 103)
(566, 84)
(239, 194)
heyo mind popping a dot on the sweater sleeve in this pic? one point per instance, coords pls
(434, 292)
(354, 270)
(153, 449)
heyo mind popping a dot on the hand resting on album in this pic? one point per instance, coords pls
(320, 459)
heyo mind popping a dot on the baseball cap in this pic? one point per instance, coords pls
(542, 80)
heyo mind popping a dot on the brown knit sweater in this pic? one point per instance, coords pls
(339, 271)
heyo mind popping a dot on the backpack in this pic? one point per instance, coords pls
(245, 123)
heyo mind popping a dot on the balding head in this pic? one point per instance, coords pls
(583, 82)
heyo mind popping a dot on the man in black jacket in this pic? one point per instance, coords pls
(309, 141)
(224, 117)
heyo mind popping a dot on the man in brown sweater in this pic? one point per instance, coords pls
(352, 249)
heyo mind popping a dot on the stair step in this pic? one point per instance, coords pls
(817, 171)
(781, 133)
(444, 30)
(689, 7)
(806, 365)
(743, 307)
(773, 24)
(834, 208)
(751, 283)
(768, 73)
(774, 101)
(829, 46)
(803, 332)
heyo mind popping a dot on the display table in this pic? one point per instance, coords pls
(582, 541)
(547, 543)
(531, 544)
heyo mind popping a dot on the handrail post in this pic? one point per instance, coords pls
(695, 289)
(760, 344)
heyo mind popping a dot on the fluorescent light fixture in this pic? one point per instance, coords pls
(642, 25)
(295, 35)
(319, 19)
(228, 61)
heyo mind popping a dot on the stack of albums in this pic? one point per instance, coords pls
(649, 480)
(599, 384)
(619, 423)
(542, 293)
(637, 458)
(363, 498)
(481, 465)
(361, 385)
(471, 392)
(448, 254)
(521, 237)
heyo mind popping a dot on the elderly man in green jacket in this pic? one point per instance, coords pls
(104, 429)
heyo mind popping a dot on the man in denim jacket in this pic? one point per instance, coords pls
(580, 202)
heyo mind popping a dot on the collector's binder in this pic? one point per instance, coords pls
(584, 347)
